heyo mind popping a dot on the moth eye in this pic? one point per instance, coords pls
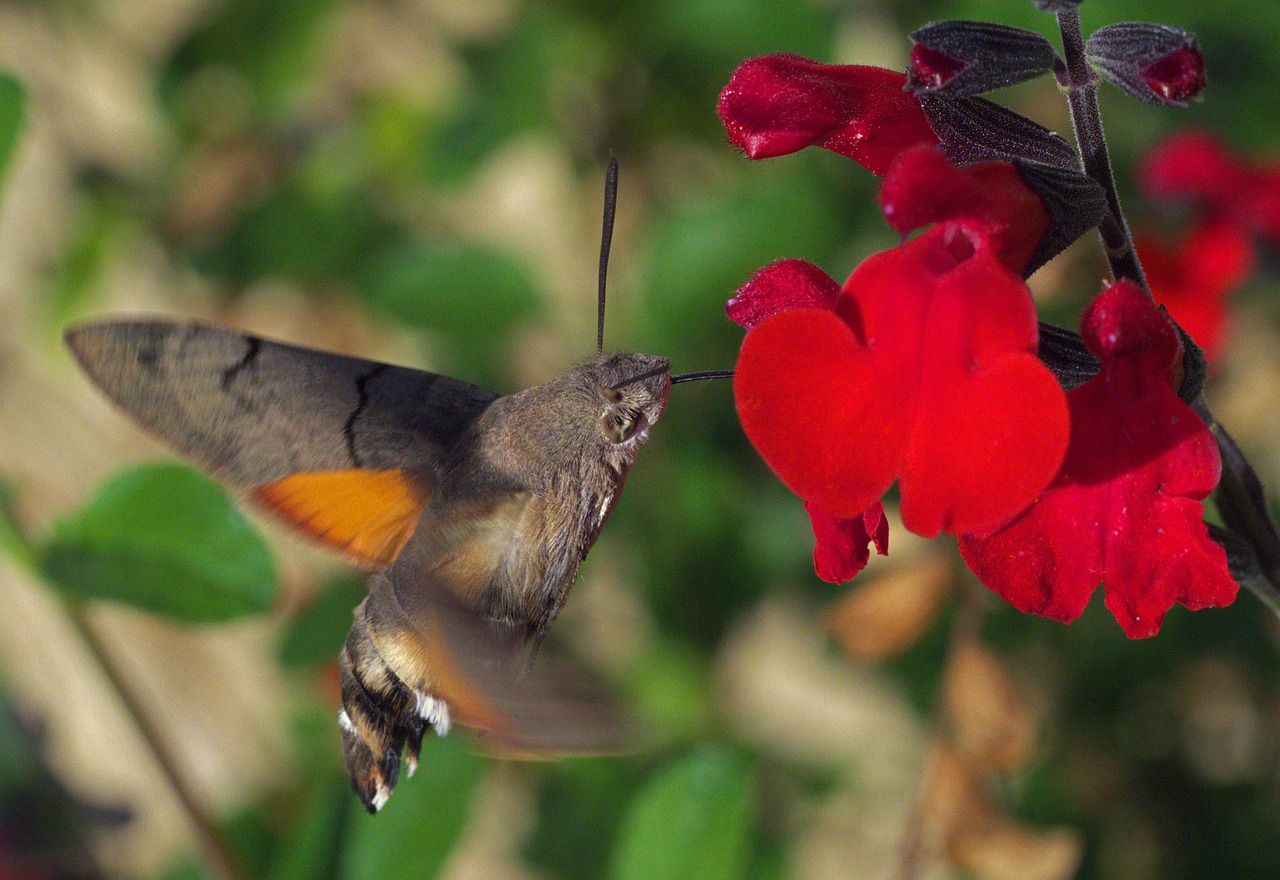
(611, 395)
(620, 427)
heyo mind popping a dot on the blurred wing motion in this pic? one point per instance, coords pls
(420, 655)
(397, 468)
(347, 450)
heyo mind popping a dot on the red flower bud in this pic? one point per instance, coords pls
(960, 58)
(1178, 76)
(930, 70)
(1156, 63)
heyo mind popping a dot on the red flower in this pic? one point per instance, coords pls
(922, 369)
(777, 104)
(989, 198)
(1229, 188)
(1125, 511)
(1193, 278)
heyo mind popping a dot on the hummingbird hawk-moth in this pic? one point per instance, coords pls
(473, 510)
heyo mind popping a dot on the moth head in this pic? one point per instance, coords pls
(632, 390)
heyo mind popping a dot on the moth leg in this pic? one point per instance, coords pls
(380, 718)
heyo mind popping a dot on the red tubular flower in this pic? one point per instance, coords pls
(923, 370)
(1197, 166)
(989, 197)
(1193, 278)
(778, 104)
(1125, 510)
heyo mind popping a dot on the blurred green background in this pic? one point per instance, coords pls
(420, 181)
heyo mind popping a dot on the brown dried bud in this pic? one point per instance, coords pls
(991, 724)
(884, 617)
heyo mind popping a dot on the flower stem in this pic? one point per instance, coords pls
(1081, 88)
(221, 858)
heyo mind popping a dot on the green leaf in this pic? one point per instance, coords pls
(410, 838)
(273, 46)
(298, 232)
(316, 635)
(471, 294)
(13, 543)
(13, 100)
(164, 539)
(691, 822)
(312, 848)
(579, 809)
(466, 291)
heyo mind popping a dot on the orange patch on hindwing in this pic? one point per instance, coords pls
(366, 514)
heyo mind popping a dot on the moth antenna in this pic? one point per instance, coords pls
(705, 374)
(657, 371)
(606, 238)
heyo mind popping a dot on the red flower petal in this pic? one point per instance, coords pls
(842, 546)
(1194, 278)
(777, 104)
(786, 284)
(922, 187)
(1125, 510)
(808, 399)
(987, 408)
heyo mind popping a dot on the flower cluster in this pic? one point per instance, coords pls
(1234, 203)
(922, 367)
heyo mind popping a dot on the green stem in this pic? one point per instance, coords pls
(221, 858)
